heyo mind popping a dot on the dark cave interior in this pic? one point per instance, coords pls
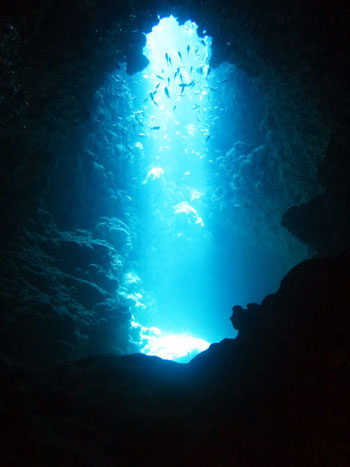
(141, 200)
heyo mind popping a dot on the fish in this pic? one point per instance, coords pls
(185, 85)
(152, 94)
(188, 49)
(179, 54)
(112, 133)
(157, 85)
(167, 58)
(160, 77)
(168, 81)
(155, 128)
(166, 90)
(155, 103)
(174, 108)
(169, 61)
(191, 69)
(207, 138)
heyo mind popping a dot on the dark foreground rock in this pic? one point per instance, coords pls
(277, 395)
(323, 222)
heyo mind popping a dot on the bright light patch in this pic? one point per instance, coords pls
(174, 346)
(177, 77)
(154, 173)
(189, 211)
(173, 42)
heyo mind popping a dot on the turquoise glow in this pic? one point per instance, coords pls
(179, 153)
(174, 136)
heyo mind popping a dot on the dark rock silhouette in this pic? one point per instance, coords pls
(323, 222)
(276, 395)
(242, 319)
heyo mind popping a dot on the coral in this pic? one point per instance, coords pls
(58, 290)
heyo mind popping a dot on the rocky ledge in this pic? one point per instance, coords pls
(276, 395)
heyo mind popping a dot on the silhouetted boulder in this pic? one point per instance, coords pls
(245, 319)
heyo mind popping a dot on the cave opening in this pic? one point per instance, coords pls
(185, 150)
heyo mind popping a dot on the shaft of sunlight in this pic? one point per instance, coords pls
(174, 124)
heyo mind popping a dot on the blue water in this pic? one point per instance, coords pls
(165, 133)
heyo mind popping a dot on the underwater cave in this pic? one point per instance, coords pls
(161, 164)
(186, 182)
